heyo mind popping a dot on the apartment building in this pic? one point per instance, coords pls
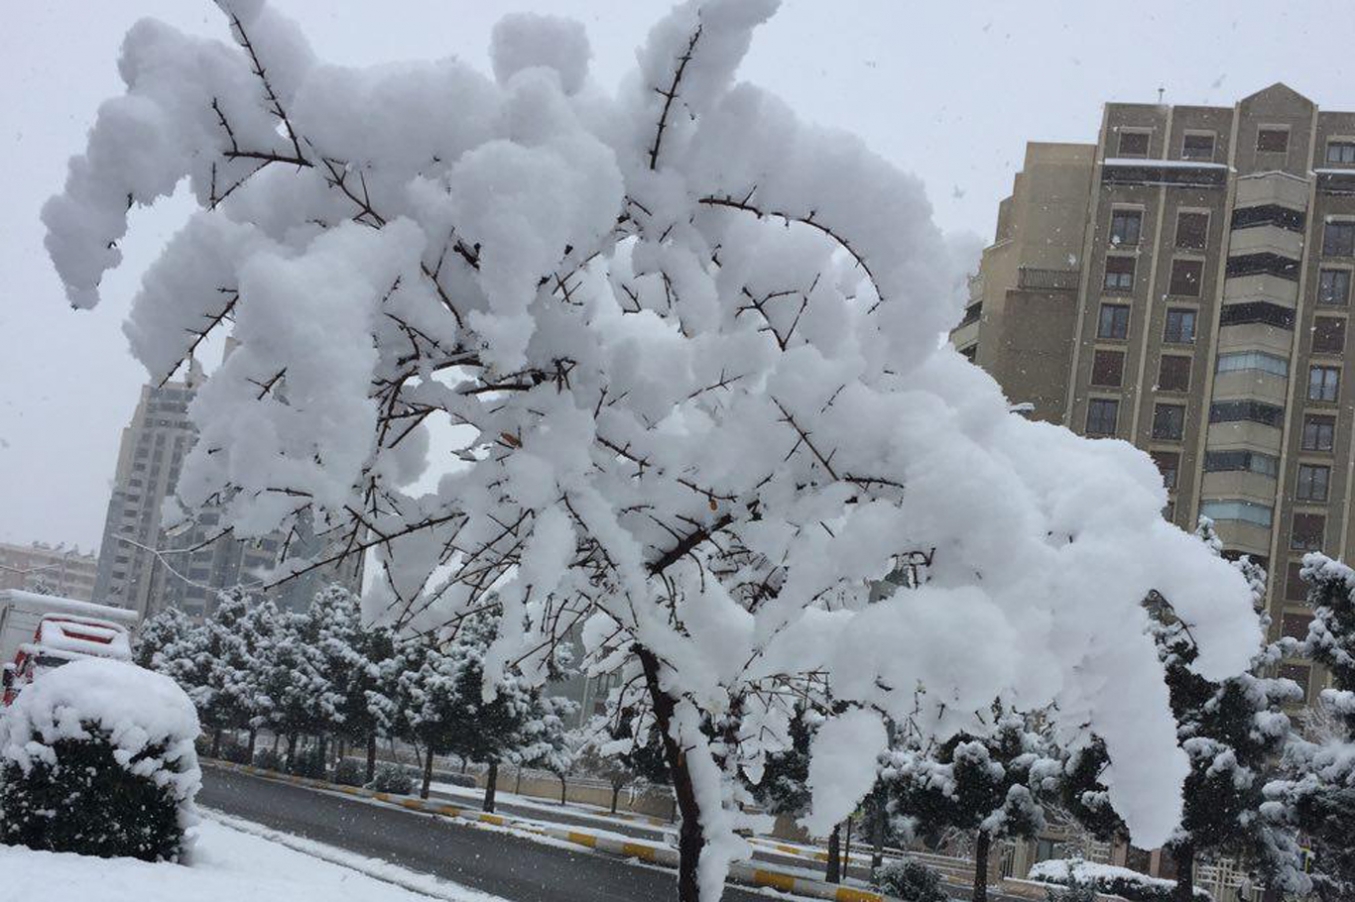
(1184, 284)
(59, 570)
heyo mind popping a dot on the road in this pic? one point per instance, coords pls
(493, 862)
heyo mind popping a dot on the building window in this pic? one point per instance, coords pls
(1114, 322)
(1295, 626)
(1133, 144)
(1119, 274)
(1262, 312)
(1295, 586)
(1108, 368)
(1306, 534)
(1180, 328)
(1313, 483)
(1168, 463)
(1319, 432)
(1329, 335)
(1238, 361)
(1324, 383)
(1338, 238)
(1101, 416)
(1192, 230)
(1299, 673)
(1125, 227)
(1169, 422)
(1185, 280)
(1333, 287)
(1272, 140)
(1246, 411)
(1198, 146)
(1173, 373)
(1241, 461)
(1246, 511)
(1341, 151)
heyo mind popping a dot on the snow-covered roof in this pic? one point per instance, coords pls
(33, 601)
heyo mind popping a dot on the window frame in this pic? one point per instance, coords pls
(1168, 337)
(1338, 222)
(1322, 295)
(1136, 130)
(1329, 335)
(1101, 404)
(1132, 274)
(1346, 141)
(1113, 309)
(1168, 462)
(1308, 542)
(1204, 234)
(1172, 278)
(1180, 363)
(1324, 383)
(1125, 211)
(1317, 426)
(1307, 483)
(1272, 129)
(1177, 420)
(1200, 133)
(1107, 354)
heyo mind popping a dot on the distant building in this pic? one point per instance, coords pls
(1184, 284)
(145, 567)
(63, 571)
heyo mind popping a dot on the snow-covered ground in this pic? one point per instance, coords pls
(228, 863)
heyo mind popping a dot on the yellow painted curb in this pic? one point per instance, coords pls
(848, 894)
(381, 796)
(638, 850)
(449, 810)
(783, 882)
(583, 839)
(495, 819)
(413, 804)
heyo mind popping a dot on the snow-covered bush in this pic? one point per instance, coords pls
(349, 772)
(912, 881)
(394, 778)
(688, 343)
(234, 752)
(463, 780)
(1109, 880)
(1074, 892)
(97, 758)
(268, 759)
(309, 762)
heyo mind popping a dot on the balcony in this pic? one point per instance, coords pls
(1266, 239)
(1272, 188)
(1029, 278)
(1261, 287)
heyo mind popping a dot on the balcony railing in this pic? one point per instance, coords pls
(1030, 278)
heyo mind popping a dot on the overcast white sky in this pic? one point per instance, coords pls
(951, 91)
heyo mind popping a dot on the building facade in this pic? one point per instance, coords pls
(59, 570)
(146, 567)
(1184, 284)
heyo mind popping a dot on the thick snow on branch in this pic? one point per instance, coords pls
(690, 344)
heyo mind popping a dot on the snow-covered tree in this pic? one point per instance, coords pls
(988, 785)
(1317, 793)
(689, 346)
(293, 677)
(167, 627)
(225, 696)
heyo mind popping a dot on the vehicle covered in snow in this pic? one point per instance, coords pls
(39, 633)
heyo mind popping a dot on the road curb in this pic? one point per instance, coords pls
(739, 872)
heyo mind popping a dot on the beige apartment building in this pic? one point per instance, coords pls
(68, 572)
(1184, 284)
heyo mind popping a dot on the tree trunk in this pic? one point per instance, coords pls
(616, 793)
(847, 850)
(465, 763)
(491, 786)
(216, 743)
(253, 738)
(982, 842)
(517, 786)
(291, 749)
(323, 768)
(1185, 872)
(691, 838)
(833, 873)
(564, 789)
(371, 758)
(877, 838)
(427, 772)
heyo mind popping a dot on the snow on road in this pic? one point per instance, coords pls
(227, 863)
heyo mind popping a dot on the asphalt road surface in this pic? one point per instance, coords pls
(493, 862)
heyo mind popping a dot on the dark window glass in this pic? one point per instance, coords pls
(1185, 279)
(1257, 312)
(1319, 432)
(1114, 322)
(1173, 373)
(1338, 239)
(1295, 589)
(1101, 416)
(1329, 335)
(1340, 152)
(1239, 461)
(1263, 264)
(1192, 230)
(1125, 227)
(1272, 140)
(1313, 484)
(1133, 144)
(1324, 383)
(1108, 368)
(1268, 215)
(1306, 534)
(1169, 422)
(1333, 287)
(1180, 328)
(1119, 273)
(1295, 626)
(1197, 147)
(1299, 673)
(1251, 411)
(1168, 462)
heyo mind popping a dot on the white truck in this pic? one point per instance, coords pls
(40, 632)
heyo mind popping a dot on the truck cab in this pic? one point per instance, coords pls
(59, 639)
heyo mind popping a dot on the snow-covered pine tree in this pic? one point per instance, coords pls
(691, 343)
(1317, 794)
(301, 700)
(225, 699)
(165, 628)
(986, 784)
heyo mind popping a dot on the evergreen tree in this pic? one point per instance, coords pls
(164, 629)
(301, 699)
(227, 664)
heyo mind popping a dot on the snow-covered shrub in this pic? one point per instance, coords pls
(912, 881)
(1109, 880)
(1074, 892)
(309, 762)
(97, 758)
(463, 780)
(268, 759)
(234, 752)
(350, 772)
(394, 778)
